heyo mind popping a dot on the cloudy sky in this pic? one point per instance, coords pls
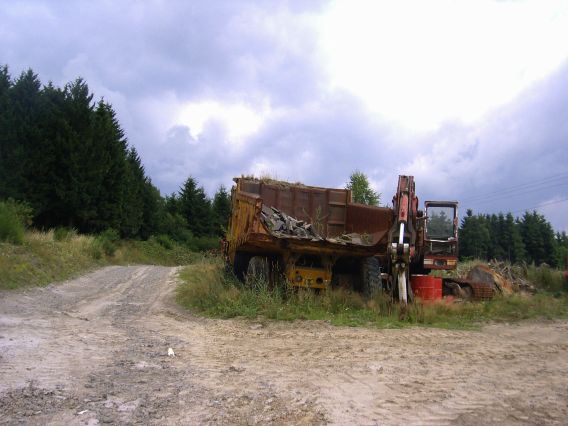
(470, 97)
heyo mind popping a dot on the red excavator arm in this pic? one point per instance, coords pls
(402, 236)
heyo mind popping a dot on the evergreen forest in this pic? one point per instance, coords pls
(66, 157)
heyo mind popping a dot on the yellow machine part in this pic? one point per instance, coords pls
(309, 277)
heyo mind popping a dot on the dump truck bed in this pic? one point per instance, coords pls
(273, 217)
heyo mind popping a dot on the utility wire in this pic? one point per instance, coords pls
(515, 194)
(550, 203)
(516, 188)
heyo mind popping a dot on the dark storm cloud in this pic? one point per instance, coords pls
(147, 58)
(219, 48)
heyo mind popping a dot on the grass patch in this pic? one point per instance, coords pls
(40, 259)
(56, 255)
(547, 278)
(208, 289)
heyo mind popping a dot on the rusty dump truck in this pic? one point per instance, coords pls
(318, 238)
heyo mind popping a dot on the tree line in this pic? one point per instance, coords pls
(67, 157)
(529, 238)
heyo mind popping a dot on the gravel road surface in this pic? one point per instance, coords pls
(94, 350)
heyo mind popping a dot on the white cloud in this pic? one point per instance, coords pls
(419, 63)
(240, 120)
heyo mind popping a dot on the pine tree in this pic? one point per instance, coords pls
(153, 210)
(80, 151)
(221, 211)
(474, 237)
(132, 212)
(7, 137)
(513, 242)
(496, 249)
(561, 250)
(107, 169)
(195, 208)
(538, 238)
(50, 178)
(25, 100)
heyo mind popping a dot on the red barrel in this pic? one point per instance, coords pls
(426, 287)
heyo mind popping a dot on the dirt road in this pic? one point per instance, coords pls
(94, 350)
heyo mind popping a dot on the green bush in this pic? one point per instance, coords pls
(165, 241)
(108, 241)
(547, 278)
(64, 234)
(14, 217)
(96, 249)
(206, 243)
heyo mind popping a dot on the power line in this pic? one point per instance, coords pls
(541, 205)
(516, 188)
(516, 193)
(550, 203)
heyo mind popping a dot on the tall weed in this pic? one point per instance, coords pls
(547, 278)
(207, 288)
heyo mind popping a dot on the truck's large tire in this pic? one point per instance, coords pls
(370, 276)
(258, 271)
(240, 265)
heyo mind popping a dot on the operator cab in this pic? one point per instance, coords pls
(441, 235)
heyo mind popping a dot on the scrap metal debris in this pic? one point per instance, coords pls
(353, 238)
(504, 278)
(515, 274)
(484, 274)
(280, 223)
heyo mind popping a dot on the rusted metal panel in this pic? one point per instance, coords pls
(479, 291)
(250, 186)
(371, 220)
(323, 207)
(368, 219)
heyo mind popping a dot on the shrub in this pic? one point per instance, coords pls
(14, 217)
(108, 240)
(547, 278)
(165, 241)
(96, 249)
(64, 234)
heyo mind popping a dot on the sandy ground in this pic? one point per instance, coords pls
(94, 350)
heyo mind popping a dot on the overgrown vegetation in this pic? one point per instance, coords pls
(547, 278)
(209, 289)
(11, 224)
(45, 257)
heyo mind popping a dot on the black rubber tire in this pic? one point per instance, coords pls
(240, 265)
(258, 271)
(370, 276)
